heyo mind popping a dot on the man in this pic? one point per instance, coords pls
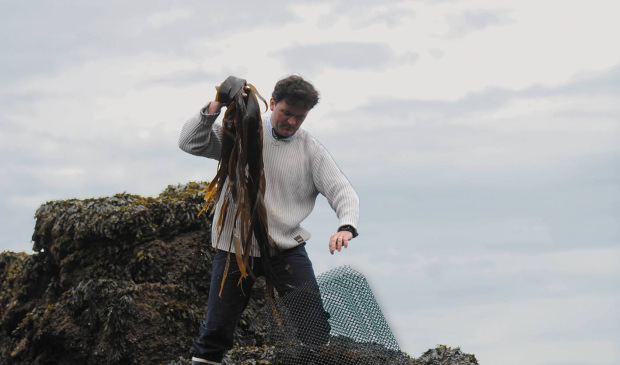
(297, 168)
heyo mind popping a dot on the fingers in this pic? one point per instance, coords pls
(246, 91)
(338, 241)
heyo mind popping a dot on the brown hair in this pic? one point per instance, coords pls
(296, 91)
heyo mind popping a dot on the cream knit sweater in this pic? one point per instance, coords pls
(296, 171)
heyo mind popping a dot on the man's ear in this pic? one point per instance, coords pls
(272, 104)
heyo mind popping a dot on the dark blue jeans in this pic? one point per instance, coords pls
(216, 333)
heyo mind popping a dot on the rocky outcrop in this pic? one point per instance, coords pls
(123, 280)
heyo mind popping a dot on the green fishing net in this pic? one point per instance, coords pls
(334, 321)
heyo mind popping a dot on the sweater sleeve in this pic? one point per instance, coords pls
(201, 136)
(333, 184)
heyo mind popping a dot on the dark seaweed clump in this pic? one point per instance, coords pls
(124, 280)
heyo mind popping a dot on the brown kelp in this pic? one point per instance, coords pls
(240, 179)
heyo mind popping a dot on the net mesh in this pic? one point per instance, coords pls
(334, 321)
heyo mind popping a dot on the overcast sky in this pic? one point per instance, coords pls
(482, 137)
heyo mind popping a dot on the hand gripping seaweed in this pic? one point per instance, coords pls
(240, 179)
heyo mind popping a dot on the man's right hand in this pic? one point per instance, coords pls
(214, 107)
(228, 89)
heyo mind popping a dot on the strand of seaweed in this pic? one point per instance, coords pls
(240, 183)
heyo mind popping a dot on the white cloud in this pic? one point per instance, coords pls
(591, 263)
(546, 331)
(342, 56)
(171, 16)
(469, 21)
(436, 53)
(595, 262)
(489, 131)
(31, 202)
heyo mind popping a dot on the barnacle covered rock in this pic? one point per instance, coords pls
(124, 280)
(62, 224)
(116, 280)
(444, 355)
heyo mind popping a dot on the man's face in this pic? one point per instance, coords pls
(286, 119)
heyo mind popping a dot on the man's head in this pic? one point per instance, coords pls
(290, 102)
(296, 91)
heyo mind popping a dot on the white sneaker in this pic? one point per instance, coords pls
(199, 361)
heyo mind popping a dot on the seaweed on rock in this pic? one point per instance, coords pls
(115, 280)
(124, 280)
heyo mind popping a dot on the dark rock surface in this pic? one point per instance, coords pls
(123, 280)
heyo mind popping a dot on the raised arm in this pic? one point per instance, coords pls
(200, 135)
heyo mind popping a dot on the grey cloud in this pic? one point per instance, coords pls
(435, 110)
(390, 18)
(601, 83)
(344, 5)
(474, 20)
(365, 13)
(311, 59)
(410, 58)
(436, 53)
(185, 78)
(486, 211)
(436, 2)
(606, 82)
(580, 114)
(43, 37)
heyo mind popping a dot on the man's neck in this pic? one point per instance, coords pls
(275, 134)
